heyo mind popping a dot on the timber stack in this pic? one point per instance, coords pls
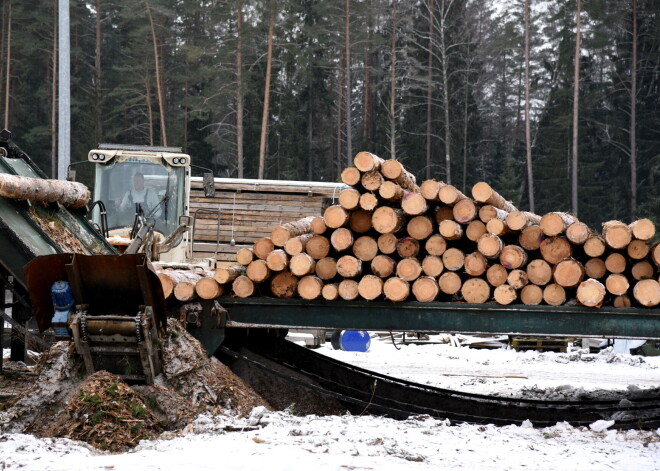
(388, 238)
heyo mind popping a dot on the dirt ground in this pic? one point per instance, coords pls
(55, 399)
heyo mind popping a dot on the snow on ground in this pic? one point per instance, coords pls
(504, 372)
(280, 441)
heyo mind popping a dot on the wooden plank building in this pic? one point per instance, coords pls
(250, 209)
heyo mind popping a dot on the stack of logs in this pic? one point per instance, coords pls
(389, 238)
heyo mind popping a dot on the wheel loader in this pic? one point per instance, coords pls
(106, 296)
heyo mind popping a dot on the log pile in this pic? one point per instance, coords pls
(388, 238)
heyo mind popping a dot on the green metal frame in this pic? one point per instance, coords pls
(564, 321)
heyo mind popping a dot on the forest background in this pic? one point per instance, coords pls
(555, 113)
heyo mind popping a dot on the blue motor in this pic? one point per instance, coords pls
(351, 340)
(63, 303)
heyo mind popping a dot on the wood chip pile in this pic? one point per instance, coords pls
(389, 238)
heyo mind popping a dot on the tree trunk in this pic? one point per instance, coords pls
(531, 295)
(578, 233)
(591, 293)
(371, 181)
(407, 247)
(518, 220)
(302, 264)
(555, 249)
(370, 287)
(243, 287)
(420, 227)
(258, 271)
(556, 223)
(225, 275)
(73, 194)
(475, 230)
(554, 295)
(392, 116)
(445, 86)
(530, 238)
(450, 283)
(159, 84)
(504, 294)
(396, 290)
(330, 292)
(617, 234)
(429, 93)
(450, 229)
(318, 247)
(513, 256)
(360, 221)
(594, 246)
(244, 256)
(568, 273)
(383, 266)
(8, 76)
(365, 248)
(318, 225)
(633, 114)
(496, 275)
(281, 234)
(341, 239)
(539, 272)
(239, 89)
(277, 260)
(98, 91)
(643, 229)
(395, 171)
(425, 289)
(147, 89)
(617, 284)
(310, 287)
(349, 199)
(475, 264)
(595, 268)
(264, 116)
(432, 266)
(208, 288)
(326, 268)
(351, 176)
(387, 220)
(2, 46)
(387, 243)
(576, 94)
(517, 279)
(409, 269)
(528, 133)
(335, 217)
(647, 292)
(283, 285)
(297, 245)
(53, 109)
(349, 266)
(453, 259)
(475, 290)
(348, 290)
(413, 204)
(484, 193)
(263, 247)
(347, 77)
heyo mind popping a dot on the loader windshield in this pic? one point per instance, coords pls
(158, 189)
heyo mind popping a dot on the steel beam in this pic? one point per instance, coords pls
(564, 321)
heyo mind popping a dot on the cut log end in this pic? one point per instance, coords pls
(591, 293)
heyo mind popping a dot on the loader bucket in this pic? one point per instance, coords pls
(108, 284)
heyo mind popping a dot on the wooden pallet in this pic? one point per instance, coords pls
(520, 344)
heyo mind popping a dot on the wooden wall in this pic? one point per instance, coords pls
(250, 209)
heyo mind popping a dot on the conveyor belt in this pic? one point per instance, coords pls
(365, 391)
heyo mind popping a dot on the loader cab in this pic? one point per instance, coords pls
(156, 177)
